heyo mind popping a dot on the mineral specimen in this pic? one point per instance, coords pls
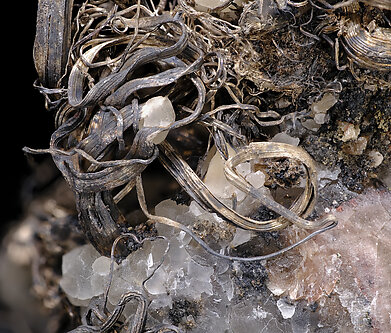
(351, 263)
(214, 72)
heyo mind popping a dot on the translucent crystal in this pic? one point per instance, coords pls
(156, 285)
(76, 274)
(324, 104)
(241, 236)
(169, 208)
(157, 112)
(216, 181)
(200, 279)
(287, 310)
(101, 265)
(351, 260)
(285, 138)
(100, 275)
(375, 158)
(326, 175)
(311, 124)
(348, 131)
(247, 317)
(196, 209)
(348, 264)
(256, 179)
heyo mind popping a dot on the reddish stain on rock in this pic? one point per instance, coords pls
(351, 262)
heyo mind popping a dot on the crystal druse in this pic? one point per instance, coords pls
(338, 281)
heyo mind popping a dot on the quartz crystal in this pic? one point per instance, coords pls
(311, 124)
(325, 103)
(319, 111)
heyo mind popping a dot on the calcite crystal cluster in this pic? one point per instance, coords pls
(186, 272)
(339, 281)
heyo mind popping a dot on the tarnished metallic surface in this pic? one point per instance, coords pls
(277, 92)
(368, 49)
(101, 99)
(52, 40)
(363, 31)
(383, 4)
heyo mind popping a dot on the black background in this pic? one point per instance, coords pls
(24, 119)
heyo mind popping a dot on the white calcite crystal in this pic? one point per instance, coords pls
(326, 175)
(349, 264)
(241, 236)
(225, 191)
(287, 310)
(216, 181)
(285, 138)
(345, 271)
(348, 131)
(157, 112)
(256, 179)
(318, 111)
(76, 275)
(186, 272)
(320, 108)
